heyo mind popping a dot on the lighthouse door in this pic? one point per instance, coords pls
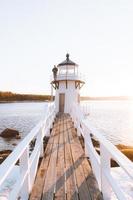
(61, 102)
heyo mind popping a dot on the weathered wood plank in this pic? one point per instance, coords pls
(77, 154)
(91, 181)
(37, 190)
(60, 177)
(71, 188)
(49, 186)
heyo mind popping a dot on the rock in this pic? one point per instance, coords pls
(122, 146)
(1, 159)
(18, 137)
(126, 150)
(4, 154)
(9, 133)
(14, 144)
(128, 153)
(95, 142)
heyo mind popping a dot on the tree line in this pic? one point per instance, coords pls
(9, 96)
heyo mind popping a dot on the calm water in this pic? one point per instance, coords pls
(20, 116)
(114, 119)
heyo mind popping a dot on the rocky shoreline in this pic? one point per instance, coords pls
(5, 153)
(125, 149)
(9, 133)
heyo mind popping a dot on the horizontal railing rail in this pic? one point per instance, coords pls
(69, 76)
(28, 161)
(101, 164)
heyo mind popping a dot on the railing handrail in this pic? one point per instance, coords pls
(101, 163)
(7, 166)
(17, 152)
(122, 160)
(69, 77)
(74, 76)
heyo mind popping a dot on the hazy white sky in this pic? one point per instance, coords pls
(36, 34)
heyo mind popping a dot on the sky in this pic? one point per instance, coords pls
(36, 35)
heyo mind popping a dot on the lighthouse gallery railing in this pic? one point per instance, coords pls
(101, 163)
(28, 161)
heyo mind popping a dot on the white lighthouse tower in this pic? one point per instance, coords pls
(67, 84)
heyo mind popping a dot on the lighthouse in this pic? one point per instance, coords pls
(67, 83)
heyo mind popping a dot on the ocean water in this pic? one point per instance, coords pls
(20, 116)
(114, 119)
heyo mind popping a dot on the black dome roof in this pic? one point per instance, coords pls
(67, 61)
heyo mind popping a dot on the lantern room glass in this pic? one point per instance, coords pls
(68, 70)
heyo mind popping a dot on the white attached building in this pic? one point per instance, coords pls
(67, 84)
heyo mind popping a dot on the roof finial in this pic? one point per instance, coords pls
(67, 56)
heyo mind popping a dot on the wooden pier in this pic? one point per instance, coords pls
(62, 171)
(65, 172)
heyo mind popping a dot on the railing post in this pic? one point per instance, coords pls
(45, 128)
(86, 150)
(51, 121)
(41, 142)
(48, 132)
(105, 170)
(25, 174)
(85, 141)
(74, 121)
(78, 129)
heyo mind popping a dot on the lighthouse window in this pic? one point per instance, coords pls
(68, 70)
(62, 71)
(71, 71)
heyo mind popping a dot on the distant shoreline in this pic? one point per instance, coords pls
(14, 97)
(115, 98)
(6, 97)
(25, 101)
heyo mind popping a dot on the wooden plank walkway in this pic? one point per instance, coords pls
(65, 173)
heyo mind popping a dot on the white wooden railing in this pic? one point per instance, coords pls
(69, 76)
(101, 163)
(28, 161)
